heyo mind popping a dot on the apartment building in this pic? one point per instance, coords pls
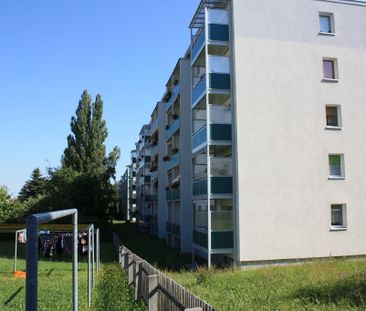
(277, 143)
(177, 157)
(146, 214)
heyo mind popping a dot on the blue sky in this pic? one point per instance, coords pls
(50, 51)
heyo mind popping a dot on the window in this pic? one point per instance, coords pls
(336, 166)
(330, 70)
(333, 117)
(326, 21)
(338, 216)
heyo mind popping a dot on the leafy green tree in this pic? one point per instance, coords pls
(33, 187)
(9, 207)
(86, 154)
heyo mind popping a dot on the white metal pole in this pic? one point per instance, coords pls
(93, 256)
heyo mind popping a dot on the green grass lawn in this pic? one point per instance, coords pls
(323, 285)
(55, 282)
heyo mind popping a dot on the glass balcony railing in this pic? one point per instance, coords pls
(219, 185)
(199, 187)
(173, 194)
(221, 166)
(154, 125)
(174, 161)
(219, 64)
(220, 114)
(222, 221)
(198, 45)
(154, 150)
(200, 238)
(173, 96)
(199, 138)
(172, 129)
(173, 228)
(198, 91)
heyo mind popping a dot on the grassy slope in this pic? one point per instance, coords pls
(326, 285)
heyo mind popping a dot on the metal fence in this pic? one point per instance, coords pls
(157, 290)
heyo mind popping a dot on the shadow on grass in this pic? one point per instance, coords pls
(152, 249)
(350, 290)
(13, 296)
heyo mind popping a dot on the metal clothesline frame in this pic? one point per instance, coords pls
(31, 294)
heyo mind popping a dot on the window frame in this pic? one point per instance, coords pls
(334, 61)
(339, 118)
(343, 225)
(329, 15)
(341, 158)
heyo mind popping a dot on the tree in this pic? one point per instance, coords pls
(9, 207)
(86, 154)
(33, 187)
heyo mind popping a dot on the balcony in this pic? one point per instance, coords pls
(172, 129)
(200, 238)
(219, 186)
(198, 91)
(222, 239)
(174, 161)
(198, 45)
(218, 32)
(220, 81)
(221, 220)
(221, 132)
(173, 229)
(221, 166)
(199, 187)
(199, 138)
(173, 96)
(154, 125)
(173, 194)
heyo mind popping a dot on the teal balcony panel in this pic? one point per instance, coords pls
(223, 239)
(218, 32)
(220, 131)
(198, 91)
(221, 185)
(200, 137)
(220, 81)
(172, 129)
(198, 45)
(200, 239)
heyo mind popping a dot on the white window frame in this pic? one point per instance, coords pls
(339, 117)
(342, 226)
(342, 176)
(332, 25)
(335, 66)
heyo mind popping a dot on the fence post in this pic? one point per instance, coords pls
(131, 269)
(153, 292)
(138, 279)
(125, 260)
